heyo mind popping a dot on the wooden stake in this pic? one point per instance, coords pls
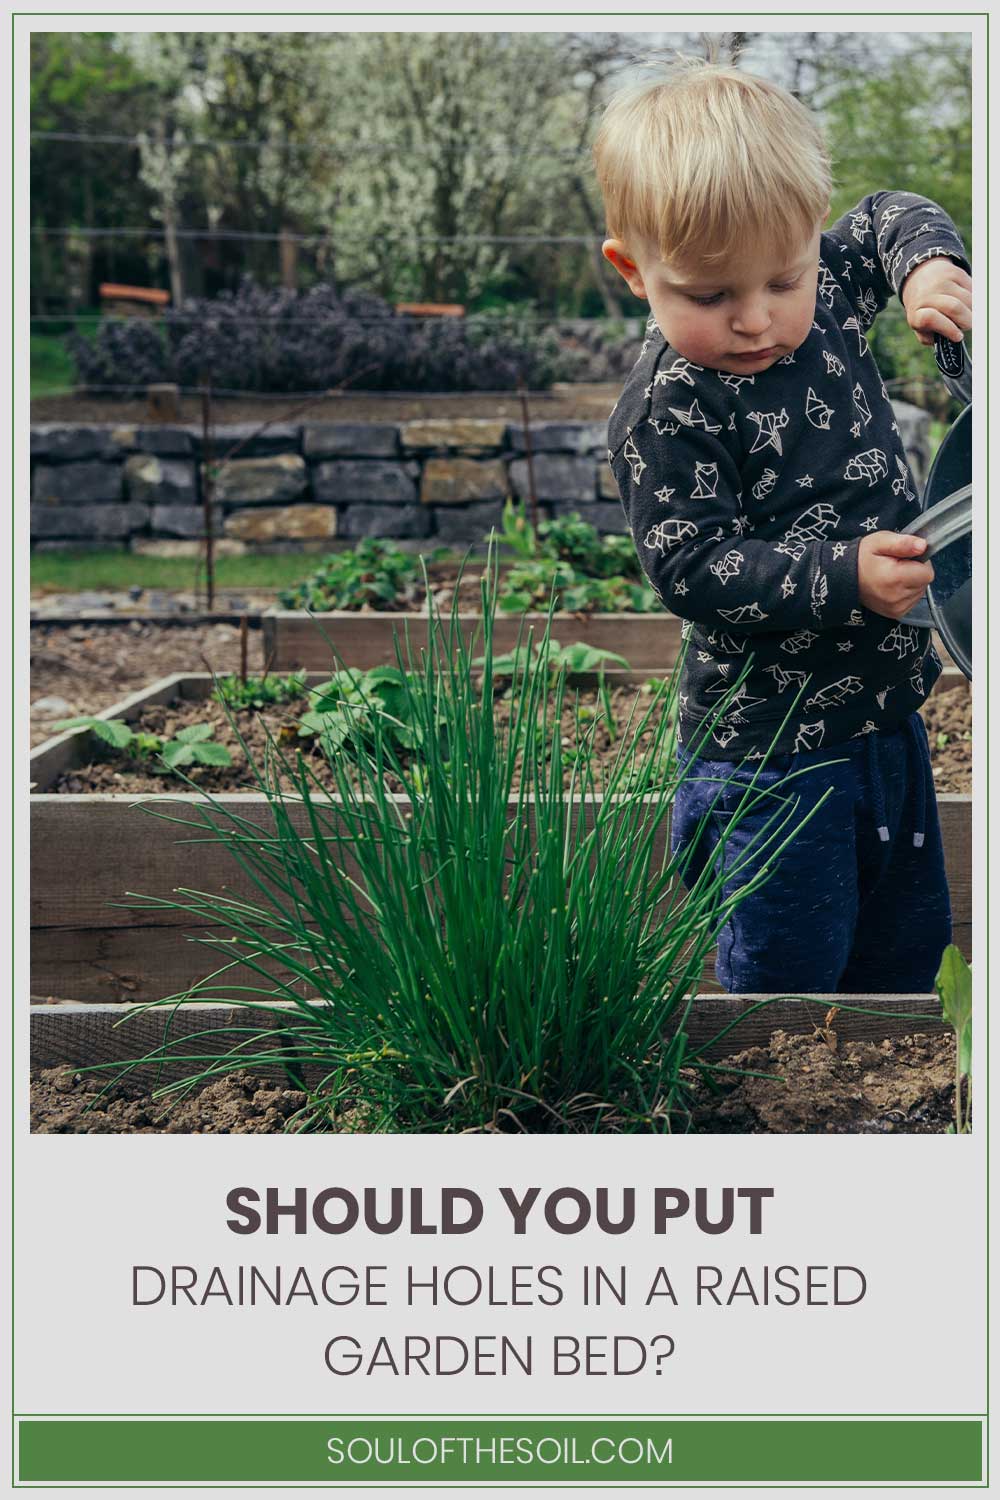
(163, 403)
(208, 491)
(526, 421)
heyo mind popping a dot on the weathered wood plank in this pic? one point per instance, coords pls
(90, 850)
(71, 748)
(294, 640)
(87, 851)
(101, 965)
(94, 1035)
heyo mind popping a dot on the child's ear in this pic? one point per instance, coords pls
(616, 252)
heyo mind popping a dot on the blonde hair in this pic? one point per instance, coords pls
(705, 158)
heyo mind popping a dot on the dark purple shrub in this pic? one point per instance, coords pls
(275, 340)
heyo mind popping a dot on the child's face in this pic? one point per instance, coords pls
(740, 316)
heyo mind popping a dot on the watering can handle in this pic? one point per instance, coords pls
(955, 365)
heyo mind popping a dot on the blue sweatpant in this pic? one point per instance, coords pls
(858, 901)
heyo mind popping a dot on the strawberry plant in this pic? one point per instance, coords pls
(192, 746)
(344, 710)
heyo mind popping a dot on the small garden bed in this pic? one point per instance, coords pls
(91, 844)
(356, 603)
(493, 946)
(588, 709)
(125, 772)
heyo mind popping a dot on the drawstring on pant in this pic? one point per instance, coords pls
(875, 783)
(921, 772)
(919, 779)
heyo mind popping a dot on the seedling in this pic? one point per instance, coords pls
(114, 732)
(193, 745)
(258, 692)
(954, 987)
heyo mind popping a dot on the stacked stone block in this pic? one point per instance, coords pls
(302, 488)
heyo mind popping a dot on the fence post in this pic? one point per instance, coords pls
(289, 260)
(208, 490)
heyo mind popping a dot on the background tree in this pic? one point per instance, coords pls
(390, 149)
(84, 84)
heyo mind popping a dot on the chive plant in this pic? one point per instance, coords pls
(470, 954)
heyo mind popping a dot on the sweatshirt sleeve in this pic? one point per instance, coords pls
(680, 489)
(873, 248)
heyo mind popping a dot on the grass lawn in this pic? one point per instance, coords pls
(52, 370)
(72, 572)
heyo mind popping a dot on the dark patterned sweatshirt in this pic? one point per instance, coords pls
(747, 497)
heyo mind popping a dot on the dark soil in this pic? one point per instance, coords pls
(948, 717)
(575, 403)
(125, 774)
(239, 1105)
(902, 1086)
(92, 667)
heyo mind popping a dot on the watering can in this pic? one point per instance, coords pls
(945, 520)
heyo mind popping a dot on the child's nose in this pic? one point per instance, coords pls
(751, 318)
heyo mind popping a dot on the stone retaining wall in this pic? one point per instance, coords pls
(309, 487)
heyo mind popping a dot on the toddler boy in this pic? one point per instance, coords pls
(765, 484)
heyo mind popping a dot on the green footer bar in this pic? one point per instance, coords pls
(597, 1451)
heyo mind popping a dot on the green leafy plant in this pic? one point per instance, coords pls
(354, 708)
(576, 541)
(376, 573)
(258, 692)
(113, 732)
(488, 952)
(528, 586)
(954, 987)
(517, 532)
(570, 539)
(193, 745)
(576, 658)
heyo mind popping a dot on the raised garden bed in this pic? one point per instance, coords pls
(849, 1073)
(90, 848)
(293, 639)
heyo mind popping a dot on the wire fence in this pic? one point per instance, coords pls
(349, 150)
(345, 394)
(387, 319)
(287, 237)
(339, 394)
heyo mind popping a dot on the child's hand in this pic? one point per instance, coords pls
(890, 579)
(937, 296)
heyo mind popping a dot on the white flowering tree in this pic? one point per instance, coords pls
(394, 147)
